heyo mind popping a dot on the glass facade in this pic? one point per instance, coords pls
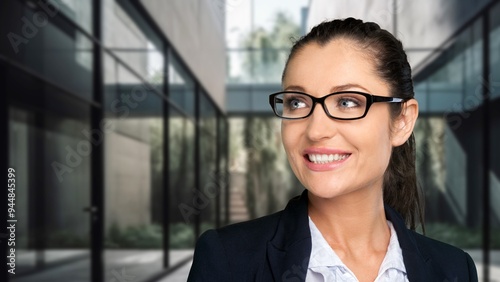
(259, 51)
(182, 158)
(493, 92)
(456, 136)
(262, 181)
(123, 106)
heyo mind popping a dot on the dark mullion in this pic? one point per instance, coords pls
(4, 131)
(486, 147)
(217, 170)
(226, 169)
(38, 189)
(7, 13)
(197, 157)
(97, 157)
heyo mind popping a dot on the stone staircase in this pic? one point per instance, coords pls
(238, 210)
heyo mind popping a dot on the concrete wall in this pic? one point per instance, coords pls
(128, 174)
(196, 30)
(420, 24)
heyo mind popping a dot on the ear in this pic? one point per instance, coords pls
(404, 124)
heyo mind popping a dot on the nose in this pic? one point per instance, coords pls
(320, 126)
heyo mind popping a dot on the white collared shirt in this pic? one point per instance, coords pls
(325, 265)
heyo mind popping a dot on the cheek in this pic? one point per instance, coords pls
(379, 145)
(284, 136)
(290, 137)
(373, 139)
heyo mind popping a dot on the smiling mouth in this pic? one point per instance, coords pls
(326, 158)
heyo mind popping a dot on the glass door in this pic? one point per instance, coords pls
(52, 174)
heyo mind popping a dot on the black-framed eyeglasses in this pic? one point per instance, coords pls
(344, 105)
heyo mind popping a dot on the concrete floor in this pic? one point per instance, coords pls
(180, 275)
(120, 266)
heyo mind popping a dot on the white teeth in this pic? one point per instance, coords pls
(323, 158)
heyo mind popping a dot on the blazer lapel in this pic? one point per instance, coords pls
(415, 262)
(289, 250)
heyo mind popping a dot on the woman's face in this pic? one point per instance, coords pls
(361, 148)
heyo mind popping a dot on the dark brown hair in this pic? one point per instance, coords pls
(401, 190)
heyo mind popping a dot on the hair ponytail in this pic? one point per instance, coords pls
(401, 190)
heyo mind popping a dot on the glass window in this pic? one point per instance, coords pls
(181, 86)
(259, 43)
(448, 139)
(52, 167)
(51, 47)
(75, 10)
(208, 150)
(222, 176)
(494, 105)
(495, 53)
(50, 154)
(256, 66)
(134, 175)
(183, 208)
(132, 40)
(262, 181)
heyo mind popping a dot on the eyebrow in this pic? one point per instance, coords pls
(336, 88)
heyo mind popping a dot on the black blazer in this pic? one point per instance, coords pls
(277, 248)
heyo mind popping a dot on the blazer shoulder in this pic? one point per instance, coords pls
(249, 234)
(236, 250)
(445, 259)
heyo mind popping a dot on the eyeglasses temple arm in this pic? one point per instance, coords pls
(388, 99)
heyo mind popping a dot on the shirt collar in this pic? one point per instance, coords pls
(394, 256)
(323, 255)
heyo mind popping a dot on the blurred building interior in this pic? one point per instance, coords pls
(135, 125)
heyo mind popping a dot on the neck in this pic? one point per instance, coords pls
(353, 221)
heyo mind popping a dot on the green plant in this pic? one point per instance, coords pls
(134, 237)
(461, 236)
(66, 239)
(181, 236)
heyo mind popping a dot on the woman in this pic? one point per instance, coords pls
(348, 115)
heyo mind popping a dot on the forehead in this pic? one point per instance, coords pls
(319, 68)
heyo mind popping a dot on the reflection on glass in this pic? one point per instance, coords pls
(494, 175)
(261, 179)
(209, 185)
(448, 139)
(128, 36)
(182, 208)
(56, 51)
(52, 167)
(258, 56)
(181, 86)
(256, 66)
(133, 176)
(78, 11)
(222, 176)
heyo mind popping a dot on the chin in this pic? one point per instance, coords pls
(326, 193)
